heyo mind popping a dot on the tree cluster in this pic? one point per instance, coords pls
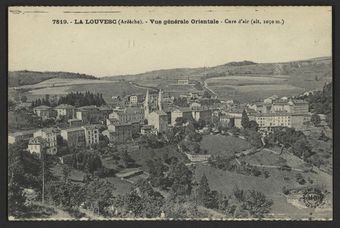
(321, 102)
(78, 99)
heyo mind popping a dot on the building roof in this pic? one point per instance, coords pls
(159, 112)
(147, 127)
(281, 102)
(299, 102)
(90, 127)
(42, 107)
(116, 124)
(74, 120)
(37, 141)
(21, 133)
(273, 114)
(49, 130)
(64, 106)
(72, 129)
(105, 108)
(87, 107)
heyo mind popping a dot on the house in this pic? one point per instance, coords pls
(105, 111)
(65, 111)
(128, 115)
(148, 129)
(91, 134)
(74, 136)
(89, 114)
(202, 113)
(270, 99)
(50, 135)
(37, 146)
(185, 113)
(75, 122)
(300, 107)
(135, 99)
(20, 136)
(43, 111)
(158, 119)
(118, 132)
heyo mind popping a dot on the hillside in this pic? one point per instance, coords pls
(321, 66)
(20, 78)
(243, 81)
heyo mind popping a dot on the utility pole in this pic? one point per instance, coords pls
(43, 177)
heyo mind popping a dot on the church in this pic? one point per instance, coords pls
(156, 117)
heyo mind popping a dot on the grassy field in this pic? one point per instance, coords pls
(121, 186)
(107, 88)
(225, 181)
(144, 154)
(254, 92)
(223, 145)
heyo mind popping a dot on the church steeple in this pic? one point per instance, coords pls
(146, 104)
(160, 100)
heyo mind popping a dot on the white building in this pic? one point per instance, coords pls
(50, 135)
(91, 134)
(37, 146)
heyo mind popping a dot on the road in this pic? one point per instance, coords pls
(142, 87)
(205, 85)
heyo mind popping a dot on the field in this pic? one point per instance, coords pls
(107, 88)
(249, 88)
(223, 145)
(225, 181)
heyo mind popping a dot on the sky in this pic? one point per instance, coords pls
(35, 43)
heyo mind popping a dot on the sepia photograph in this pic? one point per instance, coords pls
(170, 113)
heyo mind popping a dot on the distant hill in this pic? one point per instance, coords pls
(20, 78)
(301, 70)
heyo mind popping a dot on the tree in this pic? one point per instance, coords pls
(252, 125)
(23, 98)
(16, 199)
(203, 190)
(206, 94)
(257, 204)
(315, 119)
(126, 158)
(254, 138)
(156, 170)
(181, 178)
(245, 119)
(301, 148)
(323, 136)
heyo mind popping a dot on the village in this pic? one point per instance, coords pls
(122, 140)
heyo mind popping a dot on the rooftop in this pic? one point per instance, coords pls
(73, 129)
(42, 107)
(20, 133)
(64, 106)
(37, 141)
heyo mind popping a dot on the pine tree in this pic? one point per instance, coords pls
(203, 190)
(245, 119)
